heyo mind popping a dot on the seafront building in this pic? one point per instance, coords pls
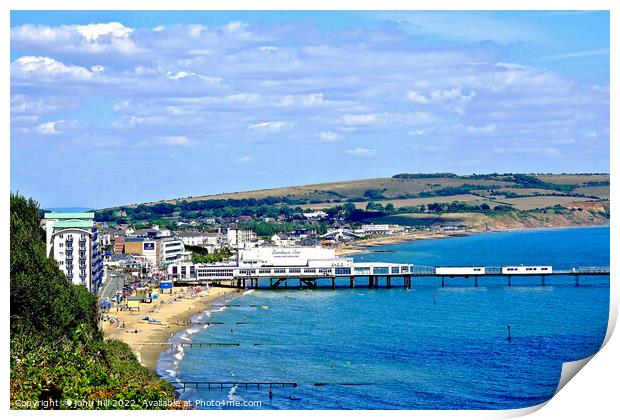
(282, 262)
(236, 238)
(160, 252)
(72, 240)
(211, 241)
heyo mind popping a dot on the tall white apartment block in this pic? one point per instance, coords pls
(72, 240)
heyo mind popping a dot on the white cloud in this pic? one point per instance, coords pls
(414, 96)
(94, 31)
(269, 126)
(210, 81)
(244, 159)
(94, 38)
(328, 136)
(312, 99)
(361, 119)
(361, 151)
(175, 140)
(418, 132)
(47, 68)
(486, 129)
(453, 98)
(50, 128)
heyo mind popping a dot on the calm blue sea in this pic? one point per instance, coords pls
(425, 348)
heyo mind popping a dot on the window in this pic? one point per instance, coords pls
(61, 236)
(60, 245)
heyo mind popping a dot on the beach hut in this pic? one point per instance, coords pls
(133, 302)
(165, 287)
(144, 294)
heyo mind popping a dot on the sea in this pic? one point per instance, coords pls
(429, 347)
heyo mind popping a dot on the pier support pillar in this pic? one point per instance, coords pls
(408, 282)
(476, 281)
(388, 282)
(271, 283)
(352, 282)
(333, 282)
(370, 282)
(576, 280)
(509, 281)
(443, 283)
(542, 280)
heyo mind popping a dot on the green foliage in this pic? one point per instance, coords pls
(374, 194)
(208, 258)
(56, 346)
(41, 298)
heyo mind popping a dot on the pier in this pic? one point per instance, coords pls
(320, 268)
(231, 384)
(383, 278)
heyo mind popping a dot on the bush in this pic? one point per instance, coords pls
(57, 352)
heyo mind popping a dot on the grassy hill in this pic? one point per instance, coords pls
(404, 199)
(415, 189)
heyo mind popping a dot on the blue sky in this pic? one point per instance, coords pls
(124, 107)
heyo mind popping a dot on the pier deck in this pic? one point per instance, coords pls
(387, 280)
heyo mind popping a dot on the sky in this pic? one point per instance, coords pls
(122, 107)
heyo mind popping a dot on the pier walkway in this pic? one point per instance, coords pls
(396, 275)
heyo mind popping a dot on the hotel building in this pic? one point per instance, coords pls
(72, 240)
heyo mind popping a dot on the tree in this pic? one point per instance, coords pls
(57, 351)
(163, 208)
(42, 300)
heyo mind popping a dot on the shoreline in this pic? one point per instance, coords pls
(365, 246)
(174, 311)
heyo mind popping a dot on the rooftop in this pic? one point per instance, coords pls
(53, 215)
(86, 224)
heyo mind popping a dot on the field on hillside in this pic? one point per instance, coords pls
(424, 219)
(388, 187)
(530, 203)
(406, 202)
(600, 192)
(573, 178)
(539, 191)
(520, 191)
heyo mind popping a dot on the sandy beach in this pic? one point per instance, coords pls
(172, 310)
